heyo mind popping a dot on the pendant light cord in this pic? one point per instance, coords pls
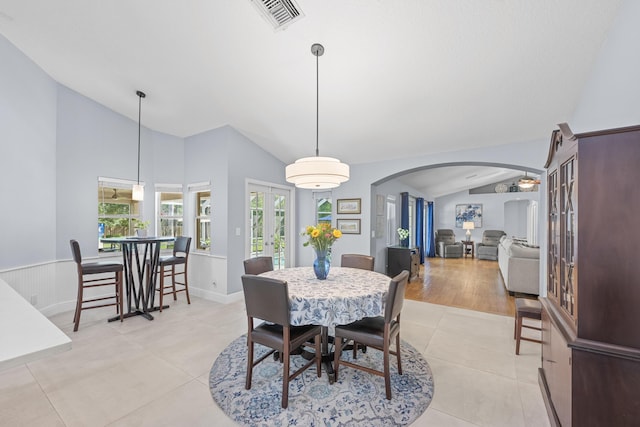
(140, 96)
(317, 104)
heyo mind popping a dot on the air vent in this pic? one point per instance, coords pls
(279, 13)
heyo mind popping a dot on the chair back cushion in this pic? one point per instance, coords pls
(363, 262)
(446, 236)
(266, 298)
(492, 237)
(395, 297)
(258, 265)
(75, 251)
(182, 245)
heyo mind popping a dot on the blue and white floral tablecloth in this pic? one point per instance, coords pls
(347, 295)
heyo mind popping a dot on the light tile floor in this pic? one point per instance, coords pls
(142, 373)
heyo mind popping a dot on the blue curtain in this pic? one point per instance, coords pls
(420, 227)
(404, 211)
(431, 241)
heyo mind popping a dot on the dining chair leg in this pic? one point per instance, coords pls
(387, 376)
(398, 354)
(285, 375)
(317, 342)
(247, 384)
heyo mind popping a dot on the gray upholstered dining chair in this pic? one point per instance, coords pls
(363, 262)
(488, 248)
(268, 299)
(376, 332)
(180, 257)
(257, 265)
(93, 269)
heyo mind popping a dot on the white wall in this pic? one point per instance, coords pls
(516, 217)
(610, 97)
(493, 211)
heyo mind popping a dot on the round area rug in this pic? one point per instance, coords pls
(356, 399)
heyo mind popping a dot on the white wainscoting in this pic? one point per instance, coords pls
(52, 287)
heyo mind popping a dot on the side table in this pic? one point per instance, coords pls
(469, 248)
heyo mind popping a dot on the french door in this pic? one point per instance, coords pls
(270, 223)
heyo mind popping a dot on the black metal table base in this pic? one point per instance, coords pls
(144, 314)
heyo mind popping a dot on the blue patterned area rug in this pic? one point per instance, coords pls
(356, 399)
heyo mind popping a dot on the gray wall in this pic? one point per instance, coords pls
(27, 160)
(227, 158)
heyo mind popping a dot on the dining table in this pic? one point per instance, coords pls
(137, 253)
(345, 296)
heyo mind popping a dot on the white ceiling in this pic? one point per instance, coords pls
(398, 78)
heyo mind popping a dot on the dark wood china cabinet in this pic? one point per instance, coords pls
(590, 374)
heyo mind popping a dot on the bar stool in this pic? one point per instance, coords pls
(92, 268)
(180, 257)
(528, 308)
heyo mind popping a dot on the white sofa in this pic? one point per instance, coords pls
(519, 266)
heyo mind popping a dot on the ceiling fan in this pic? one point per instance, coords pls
(115, 194)
(527, 181)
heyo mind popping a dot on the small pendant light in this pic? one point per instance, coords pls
(138, 190)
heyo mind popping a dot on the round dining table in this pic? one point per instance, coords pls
(346, 295)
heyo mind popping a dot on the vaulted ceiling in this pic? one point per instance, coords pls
(398, 78)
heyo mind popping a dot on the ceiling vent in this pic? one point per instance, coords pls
(279, 13)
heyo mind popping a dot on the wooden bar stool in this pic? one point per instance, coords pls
(96, 268)
(531, 309)
(167, 268)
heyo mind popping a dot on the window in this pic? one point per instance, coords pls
(117, 212)
(324, 206)
(169, 214)
(203, 220)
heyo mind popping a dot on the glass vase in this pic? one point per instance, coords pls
(321, 264)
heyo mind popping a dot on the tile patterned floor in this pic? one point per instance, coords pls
(141, 373)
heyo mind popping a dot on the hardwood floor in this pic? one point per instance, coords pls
(462, 282)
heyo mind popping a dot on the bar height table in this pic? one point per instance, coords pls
(140, 298)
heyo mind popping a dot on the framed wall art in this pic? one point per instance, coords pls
(349, 206)
(469, 212)
(349, 226)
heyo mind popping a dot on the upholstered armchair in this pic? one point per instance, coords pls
(446, 245)
(488, 248)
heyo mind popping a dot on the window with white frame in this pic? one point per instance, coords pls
(169, 212)
(324, 206)
(118, 213)
(200, 198)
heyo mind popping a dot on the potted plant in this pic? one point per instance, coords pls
(140, 227)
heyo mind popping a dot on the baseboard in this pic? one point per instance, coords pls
(213, 296)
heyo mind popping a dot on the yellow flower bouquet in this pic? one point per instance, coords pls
(321, 236)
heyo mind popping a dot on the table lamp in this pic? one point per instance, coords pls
(468, 225)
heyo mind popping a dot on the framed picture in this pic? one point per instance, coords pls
(469, 212)
(349, 226)
(349, 206)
